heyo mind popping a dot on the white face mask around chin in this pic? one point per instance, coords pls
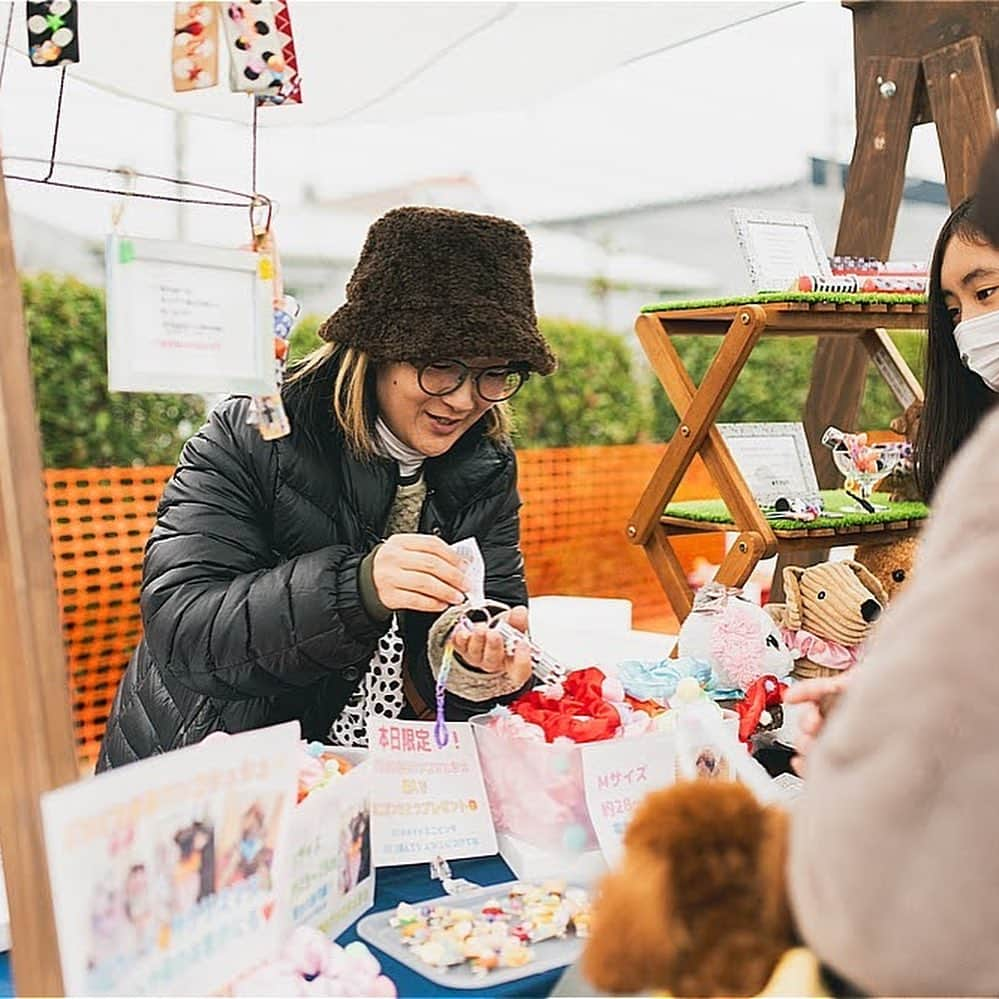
(978, 346)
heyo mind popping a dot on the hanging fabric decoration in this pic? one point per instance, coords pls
(291, 86)
(267, 412)
(195, 46)
(257, 61)
(52, 33)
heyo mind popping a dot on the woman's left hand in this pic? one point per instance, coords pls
(482, 647)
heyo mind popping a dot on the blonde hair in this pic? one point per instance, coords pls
(354, 402)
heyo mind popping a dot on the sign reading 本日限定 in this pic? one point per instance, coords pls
(427, 801)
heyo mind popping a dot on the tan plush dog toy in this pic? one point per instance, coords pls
(829, 611)
(698, 906)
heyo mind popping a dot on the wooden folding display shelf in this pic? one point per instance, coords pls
(740, 323)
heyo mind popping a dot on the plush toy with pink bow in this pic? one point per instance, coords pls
(829, 611)
(736, 637)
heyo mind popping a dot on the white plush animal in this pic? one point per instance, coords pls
(738, 638)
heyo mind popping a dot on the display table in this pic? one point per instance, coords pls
(413, 884)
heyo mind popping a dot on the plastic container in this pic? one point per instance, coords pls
(548, 954)
(535, 790)
(537, 799)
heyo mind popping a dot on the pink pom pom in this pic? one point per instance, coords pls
(308, 951)
(383, 988)
(737, 645)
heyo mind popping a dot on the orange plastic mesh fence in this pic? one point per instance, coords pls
(100, 519)
(576, 505)
(577, 502)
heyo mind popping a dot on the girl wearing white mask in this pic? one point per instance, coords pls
(962, 358)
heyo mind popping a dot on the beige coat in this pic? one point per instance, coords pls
(894, 863)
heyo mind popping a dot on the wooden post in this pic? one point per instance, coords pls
(954, 44)
(36, 730)
(964, 109)
(886, 98)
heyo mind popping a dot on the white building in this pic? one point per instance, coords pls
(699, 231)
(319, 242)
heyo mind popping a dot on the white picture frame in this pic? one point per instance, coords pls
(188, 318)
(774, 459)
(779, 247)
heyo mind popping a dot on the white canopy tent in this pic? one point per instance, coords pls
(377, 62)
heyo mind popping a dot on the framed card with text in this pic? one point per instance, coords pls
(186, 318)
(779, 247)
(773, 458)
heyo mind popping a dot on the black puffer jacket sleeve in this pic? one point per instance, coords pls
(500, 547)
(220, 613)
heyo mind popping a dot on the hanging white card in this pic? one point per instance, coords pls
(185, 318)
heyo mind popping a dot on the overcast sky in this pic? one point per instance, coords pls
(740, 108)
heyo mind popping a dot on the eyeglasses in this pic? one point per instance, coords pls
(493, 384)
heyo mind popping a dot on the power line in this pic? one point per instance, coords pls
(707, 34)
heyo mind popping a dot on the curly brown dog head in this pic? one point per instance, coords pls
(698, 906)
(891, 563)
(908, 423)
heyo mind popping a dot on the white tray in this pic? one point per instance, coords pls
(548, 954)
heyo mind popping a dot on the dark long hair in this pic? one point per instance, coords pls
(956, 398)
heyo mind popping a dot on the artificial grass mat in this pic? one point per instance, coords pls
(714, 511)
(764, 297)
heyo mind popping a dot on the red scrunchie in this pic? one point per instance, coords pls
(757, 700)
(581, 714)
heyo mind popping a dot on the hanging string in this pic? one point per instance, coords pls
(6, 42)
(246, 200)
(55, 129)
(253, 146)
(253, 200)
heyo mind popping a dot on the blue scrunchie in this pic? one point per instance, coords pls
(649, 680)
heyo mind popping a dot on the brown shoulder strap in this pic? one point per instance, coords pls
(420, 707)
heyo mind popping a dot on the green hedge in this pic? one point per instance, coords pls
(599, 395)
(774, 384)
(82, 424)
(595, 397)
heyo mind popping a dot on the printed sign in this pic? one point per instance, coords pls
(162, 871)
(426, 802)
(617, 775)
(185, 318)
(779, 247)
(330, 879)
(774, 460)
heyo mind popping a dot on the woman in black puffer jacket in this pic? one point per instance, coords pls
(310, 577)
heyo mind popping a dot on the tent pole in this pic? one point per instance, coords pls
(36, 731)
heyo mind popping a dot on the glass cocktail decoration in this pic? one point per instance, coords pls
(862, 465)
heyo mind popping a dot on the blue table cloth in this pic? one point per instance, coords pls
(413, 884)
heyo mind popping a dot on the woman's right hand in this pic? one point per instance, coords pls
(818, 695)
(417, 572)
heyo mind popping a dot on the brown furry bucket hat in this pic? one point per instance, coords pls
(432, 283)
